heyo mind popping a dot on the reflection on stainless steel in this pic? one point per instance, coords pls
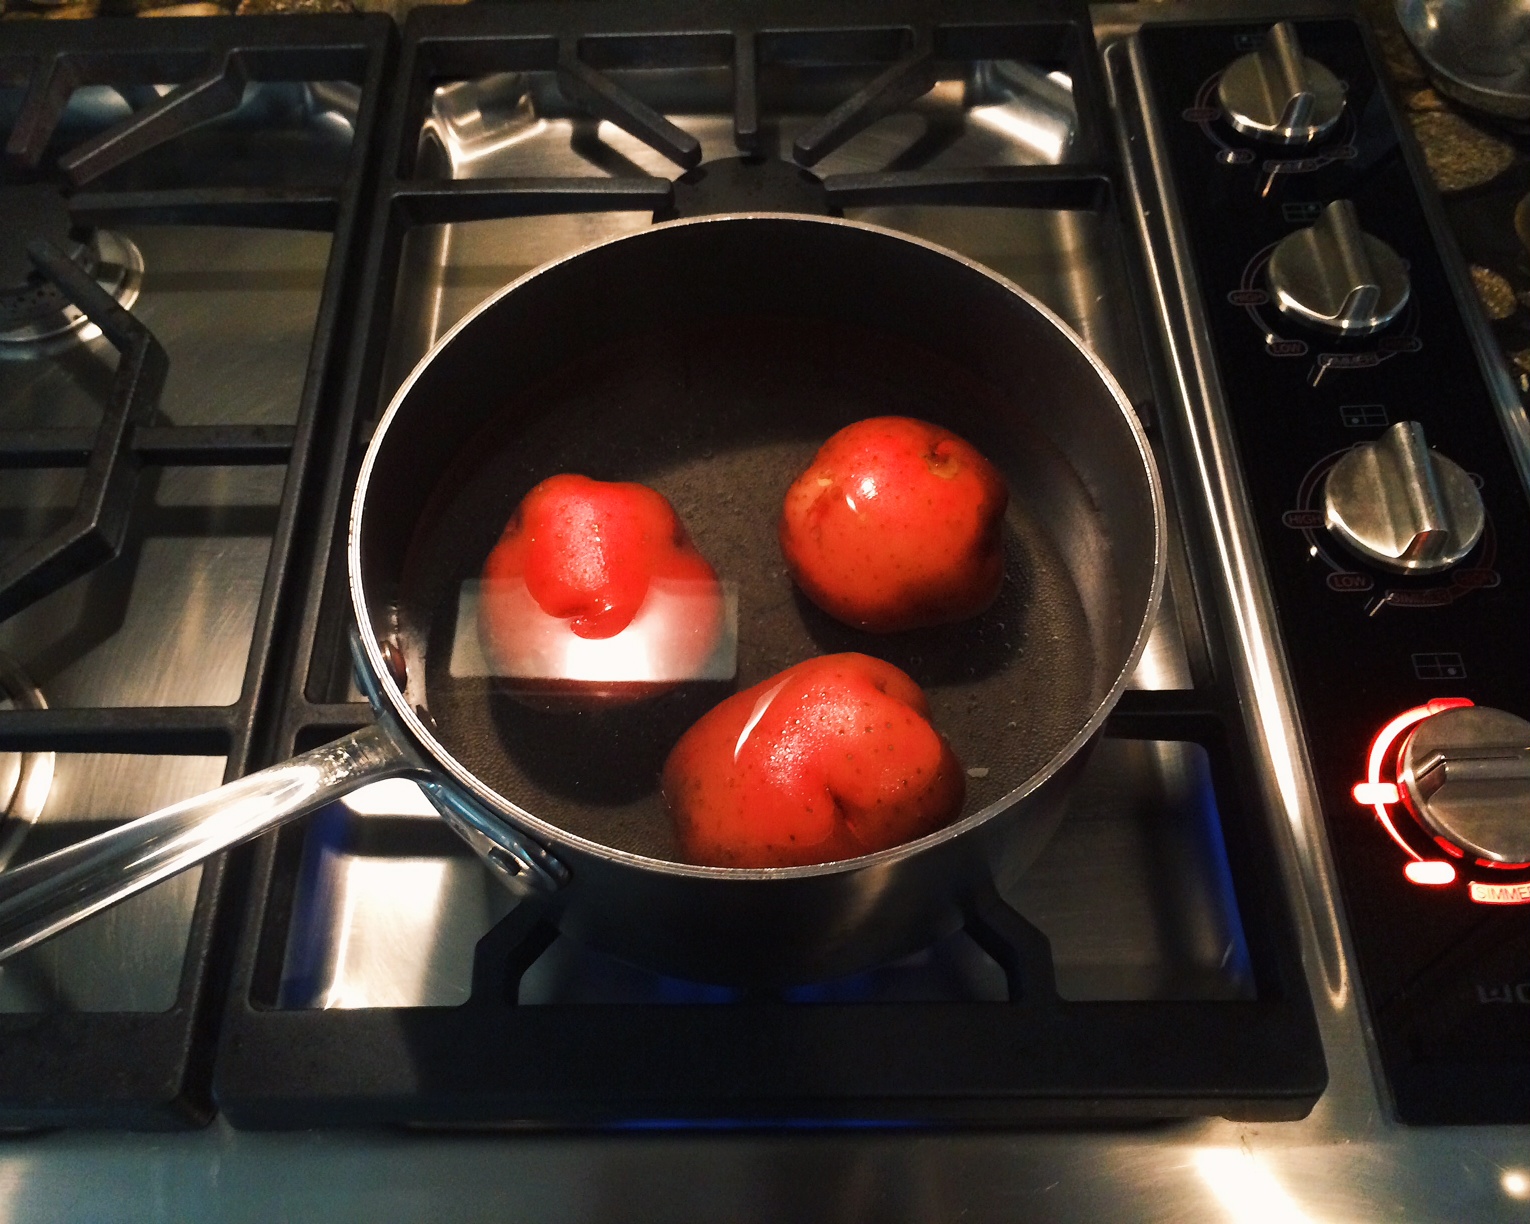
(481, 118)
(1164, 663)
(1133, 894)
(1032, 108)
(1478, 51)
(170, 620)
(1004, 113)
(1261, 670)
(197, 543)
(396, 797)
(117, 265)
(1133, 891)
(129, 958)
(1245, 1187)
(391, 907)
(332, 104)
(53, 893)
(26, 777)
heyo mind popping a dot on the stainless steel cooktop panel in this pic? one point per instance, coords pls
(127, 958)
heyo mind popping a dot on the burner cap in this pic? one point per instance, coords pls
(36, 210)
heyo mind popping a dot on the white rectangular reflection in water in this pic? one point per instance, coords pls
(656, 648)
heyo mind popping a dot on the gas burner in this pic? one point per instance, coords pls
(36, 318)
(26, 778)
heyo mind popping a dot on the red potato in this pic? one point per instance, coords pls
(896, 524)
(829, 759)
(595, 587)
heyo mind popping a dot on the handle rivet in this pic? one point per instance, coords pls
(393, 660)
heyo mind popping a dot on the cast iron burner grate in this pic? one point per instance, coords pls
(116, 1068)
(495, 1061)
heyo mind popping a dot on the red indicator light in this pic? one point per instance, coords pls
(1379, 794)
(1430, 871)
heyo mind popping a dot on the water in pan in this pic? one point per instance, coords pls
(720, 420)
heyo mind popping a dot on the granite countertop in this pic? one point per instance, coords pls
(1481, 166)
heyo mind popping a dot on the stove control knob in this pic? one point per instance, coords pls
(1334, 276)
(1401, 505)
(1466, 775)
(1277, 93)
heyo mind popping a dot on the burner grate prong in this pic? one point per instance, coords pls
(214, 93)
(291, 208)
(1051, 187)
(911, 77)
(456, 200)
(746, 92)
(605, 99)
(161, 445)
(49, 85)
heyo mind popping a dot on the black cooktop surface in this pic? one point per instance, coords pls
(1442, 934)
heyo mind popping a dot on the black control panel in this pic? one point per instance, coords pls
(1403, 579)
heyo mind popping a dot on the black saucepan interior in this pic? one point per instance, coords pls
(720, 418)
(713, 380)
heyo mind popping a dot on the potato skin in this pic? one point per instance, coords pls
(830, 759)
(581, 558)
(896, 524)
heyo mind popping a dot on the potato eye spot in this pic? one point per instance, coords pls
(942, 460)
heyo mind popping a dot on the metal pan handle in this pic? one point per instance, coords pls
(44, 897)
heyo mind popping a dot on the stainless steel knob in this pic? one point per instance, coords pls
(1401, 505)
(1279, 94)
(1466, 775)
(1335, 276)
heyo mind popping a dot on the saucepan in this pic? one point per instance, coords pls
(709, 359)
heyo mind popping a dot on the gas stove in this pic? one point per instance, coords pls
(1243, 931)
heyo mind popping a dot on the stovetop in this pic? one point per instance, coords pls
(362, 967)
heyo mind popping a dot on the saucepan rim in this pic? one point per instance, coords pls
(525, 823)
